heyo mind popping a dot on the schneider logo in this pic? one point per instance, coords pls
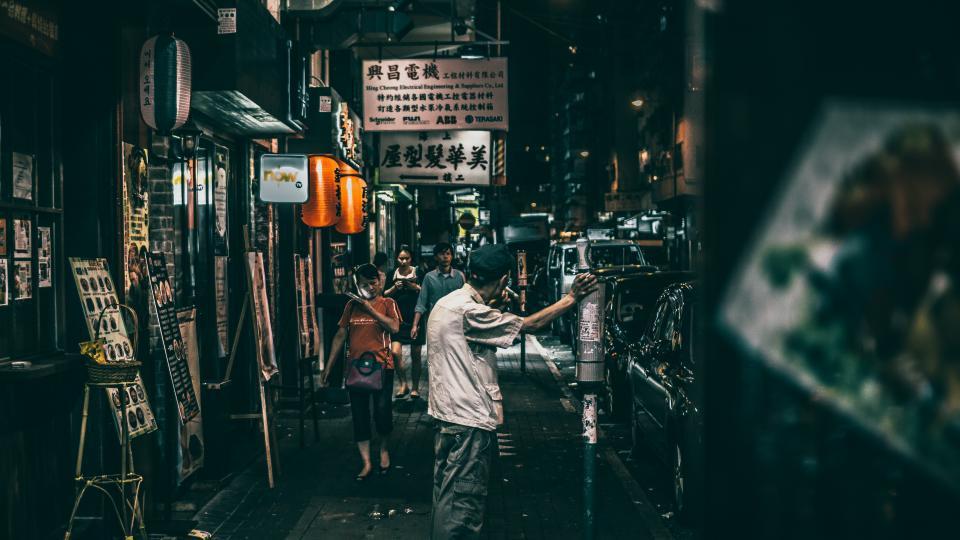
(380, 120)
(471, 119)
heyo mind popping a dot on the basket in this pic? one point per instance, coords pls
(112, 372)
(101, 371)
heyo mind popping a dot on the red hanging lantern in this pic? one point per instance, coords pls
(320, 210)
(352, 200)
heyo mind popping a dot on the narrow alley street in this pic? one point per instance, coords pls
(535, 492)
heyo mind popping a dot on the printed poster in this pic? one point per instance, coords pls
(306, 314)
(44, 267)
(23, 279)
(220, 282)
(21, 239)
(263, 332)
(174, 347)
(22, 175)
(220, 201)
(4, 298)
(98, 294)
(190, 452)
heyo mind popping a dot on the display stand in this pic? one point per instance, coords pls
(128, 513)
(267, 366)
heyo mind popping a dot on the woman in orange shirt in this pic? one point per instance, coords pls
(368, 321)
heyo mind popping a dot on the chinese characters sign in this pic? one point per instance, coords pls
(436, 158)
(442, 94)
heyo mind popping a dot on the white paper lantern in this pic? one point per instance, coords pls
(164, 83)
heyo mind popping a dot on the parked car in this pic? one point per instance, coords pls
(562, 268)
(631, 296)
(666, 393)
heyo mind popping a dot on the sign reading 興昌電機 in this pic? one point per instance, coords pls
(435, 158)
(441, 94)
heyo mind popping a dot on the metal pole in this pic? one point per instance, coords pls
(522, 283)
(590, 372)
(124, 442)
(589, 461)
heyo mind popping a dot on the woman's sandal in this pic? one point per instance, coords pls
(362, 477)
(403, 392)
(414, 394)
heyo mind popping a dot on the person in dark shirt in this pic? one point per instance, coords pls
(403, 285)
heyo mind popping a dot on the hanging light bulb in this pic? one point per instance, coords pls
(320, 210)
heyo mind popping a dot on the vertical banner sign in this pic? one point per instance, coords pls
(306, 314)
(220, 175)
(190, 453)
(435, 158)
(263, 331)
(136, 234)
(220, 283)
(441, 94)
(173, 346)
(283, 178)
(97, 293)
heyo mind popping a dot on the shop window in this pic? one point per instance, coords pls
(30, 213)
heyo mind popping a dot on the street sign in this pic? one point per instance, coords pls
(467, 221)
(435, 158)
(441, 94)
(283, 178)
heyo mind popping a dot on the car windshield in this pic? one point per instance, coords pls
(604, 256)
(635, 306)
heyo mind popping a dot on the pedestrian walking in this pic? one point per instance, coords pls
(463, 334)
(404, 288)
(439, 282)
(366, 325)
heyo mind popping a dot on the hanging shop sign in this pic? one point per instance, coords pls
(417, 95)
(334, 128)
(347, 135)
(165, 80)
(34, 24)
(98, 294)
(435, 158)
(173, 345)
(284, 178)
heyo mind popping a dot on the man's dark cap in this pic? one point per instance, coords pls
(491, 261)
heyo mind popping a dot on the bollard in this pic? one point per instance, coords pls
(589, 461)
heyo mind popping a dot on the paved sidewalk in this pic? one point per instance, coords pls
(535, 488)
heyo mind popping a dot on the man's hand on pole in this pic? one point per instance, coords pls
(583, 285)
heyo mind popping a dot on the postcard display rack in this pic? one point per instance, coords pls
(128, 400)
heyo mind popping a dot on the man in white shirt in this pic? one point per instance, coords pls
(463, 335)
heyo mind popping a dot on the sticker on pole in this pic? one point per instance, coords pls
(590, 322)
(283, 178)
